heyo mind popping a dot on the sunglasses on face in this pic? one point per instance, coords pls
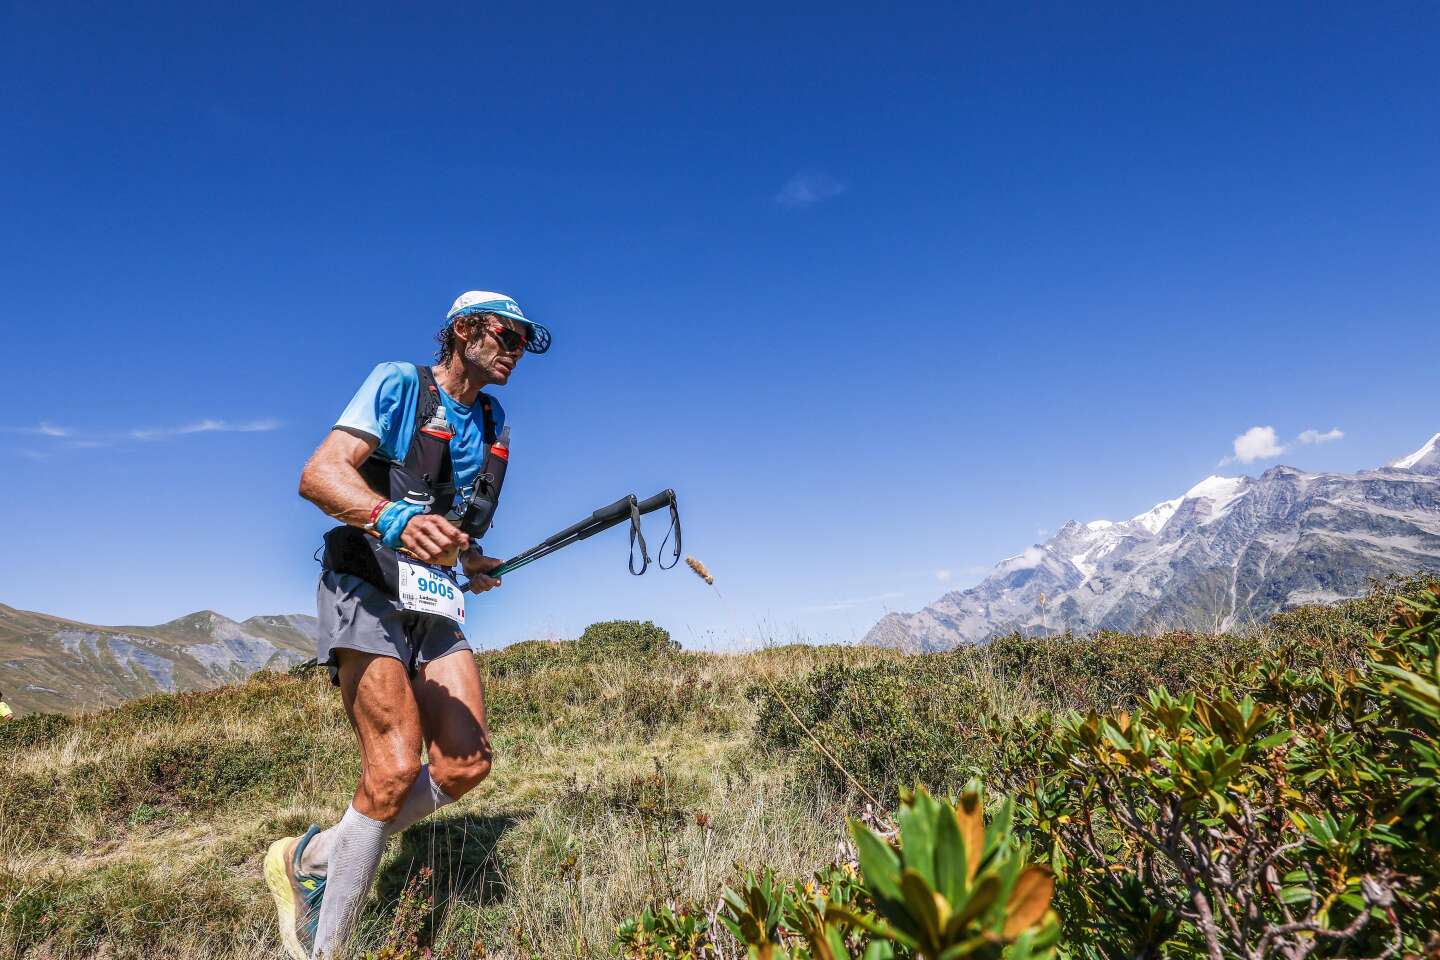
(510, 339)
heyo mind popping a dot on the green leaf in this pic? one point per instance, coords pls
(873, 926)
(878, 862)
(964, 948)
(1116, 738)
(982, 898)
(1000, 824)
(1275, 739)
(879, 950)
(917, 834)
(920, 899)
(950, 871)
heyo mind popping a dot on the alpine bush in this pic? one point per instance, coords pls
(625, 638)
(1275, 794)
(923, 720)
(945, 884)
(1281, 814)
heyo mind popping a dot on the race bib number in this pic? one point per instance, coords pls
(427, 589)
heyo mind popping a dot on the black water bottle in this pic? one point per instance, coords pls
(485, 494)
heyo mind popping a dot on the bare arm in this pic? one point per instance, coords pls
(331, 480)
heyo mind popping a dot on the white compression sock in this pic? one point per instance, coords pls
(424, 798)
(359, 842)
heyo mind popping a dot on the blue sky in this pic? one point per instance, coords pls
(882, 291)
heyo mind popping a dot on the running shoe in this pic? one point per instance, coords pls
(297, 895)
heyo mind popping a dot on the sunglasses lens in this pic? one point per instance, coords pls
(508, 338)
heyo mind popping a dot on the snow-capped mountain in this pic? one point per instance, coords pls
(1230, 551)
(1426, 460)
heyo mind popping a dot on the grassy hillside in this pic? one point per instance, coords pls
(628, 773)
(52, 665)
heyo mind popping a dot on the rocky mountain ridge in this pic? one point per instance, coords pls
(50, 664)
(1229, 551)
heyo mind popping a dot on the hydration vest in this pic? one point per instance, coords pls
(426, 475)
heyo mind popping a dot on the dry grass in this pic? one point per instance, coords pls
(627, 772)
(620, 780)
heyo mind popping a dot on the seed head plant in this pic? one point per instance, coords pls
(700, 570)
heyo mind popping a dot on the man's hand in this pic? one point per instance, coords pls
(432, 539)
(476, 568)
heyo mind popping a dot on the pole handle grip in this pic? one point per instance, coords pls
(662, 499)
(620, 508)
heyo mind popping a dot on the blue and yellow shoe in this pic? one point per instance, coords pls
(297, 895)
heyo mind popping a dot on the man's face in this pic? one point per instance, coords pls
(485, 349)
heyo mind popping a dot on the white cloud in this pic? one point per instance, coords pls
(1257, 443)
(942, 575)
(809, 187)
(90, 439)
(42, 429)
(1262, 443)
(851, 603)
(204, 426)
(1315, 436)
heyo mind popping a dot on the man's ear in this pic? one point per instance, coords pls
(464, 328)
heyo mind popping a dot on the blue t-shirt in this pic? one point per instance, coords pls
(384, 408)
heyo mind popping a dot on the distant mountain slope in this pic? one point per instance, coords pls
(55, 665)
(1230, 551)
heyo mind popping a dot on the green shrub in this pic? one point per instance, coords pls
(1337, 633)
(664, 933)
(1285, 804)
(185, 776)
(1110, 670)
(953, 885)
(669, 698)
(524, 659)
(625, 638)
(120, 910)
(620, 679)
(33, 730)
(922, 720)
(1286, 812)
(610, 641)
(554, 695)
(948, 886)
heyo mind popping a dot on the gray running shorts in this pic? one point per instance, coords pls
(354, 615)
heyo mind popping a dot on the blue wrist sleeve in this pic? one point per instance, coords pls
(391, 522)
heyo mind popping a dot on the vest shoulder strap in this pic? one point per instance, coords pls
(487, 413)
(430, 418)
(429, 400)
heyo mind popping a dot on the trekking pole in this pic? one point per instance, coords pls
(601, 520)
(626, 508)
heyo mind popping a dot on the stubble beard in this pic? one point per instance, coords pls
(492, 371)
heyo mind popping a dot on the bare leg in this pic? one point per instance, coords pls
(452, 714)
(386, 718)
(382, 709)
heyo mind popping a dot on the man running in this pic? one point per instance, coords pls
(390, 611)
